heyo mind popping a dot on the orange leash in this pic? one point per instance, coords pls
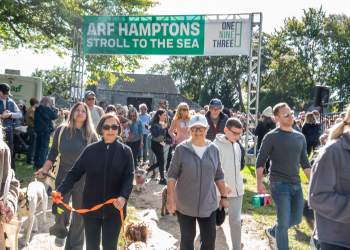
(58, 199)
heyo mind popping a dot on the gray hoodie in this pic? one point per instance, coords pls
(195, 191)
(329, 193)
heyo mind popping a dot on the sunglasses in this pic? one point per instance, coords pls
(286, 115)
(108, 127)
(91, 98)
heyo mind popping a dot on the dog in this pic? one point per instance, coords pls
(309, 216)
(140, 179)
(164, 210)
(30, 199)
(136, 235)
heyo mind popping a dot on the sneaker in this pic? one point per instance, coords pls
(272, 239)
(59, 242)
(162, 181)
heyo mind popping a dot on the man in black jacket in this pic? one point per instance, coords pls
(216, 118)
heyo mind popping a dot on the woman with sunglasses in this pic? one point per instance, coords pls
(178, 130)
(108, 167)
(76, 134)
(194, 172)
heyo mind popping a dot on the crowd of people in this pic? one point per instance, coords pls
(199, 157)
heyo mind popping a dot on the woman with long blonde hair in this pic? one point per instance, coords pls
(329, 193)
(69, 141)
(179, 130)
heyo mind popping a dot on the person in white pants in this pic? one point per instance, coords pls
(230, 157)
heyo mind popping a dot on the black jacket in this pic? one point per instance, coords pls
(262, 129)
(109, 173)
(219, 128)
(312, 132)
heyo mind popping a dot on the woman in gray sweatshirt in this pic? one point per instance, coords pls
(329, 193)
(194, 171)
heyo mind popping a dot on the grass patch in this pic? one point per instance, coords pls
(299, 236)
(24, 171)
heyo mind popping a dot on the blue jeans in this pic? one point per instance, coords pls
(289, 201)
(145, 148)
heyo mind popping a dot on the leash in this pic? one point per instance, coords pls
(58, 199)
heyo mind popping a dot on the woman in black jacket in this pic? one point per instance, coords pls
(158, 132)
(108, 165)
(311, 131)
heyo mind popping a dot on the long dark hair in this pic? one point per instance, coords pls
(155, 118)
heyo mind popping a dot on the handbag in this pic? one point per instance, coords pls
(50, 179)
(220, 216)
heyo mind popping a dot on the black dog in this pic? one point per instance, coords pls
(308, 213)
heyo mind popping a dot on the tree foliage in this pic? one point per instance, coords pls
(202, 78)
(48, 24)
(55, 81)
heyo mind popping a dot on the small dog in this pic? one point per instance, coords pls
(30, 199)
(136, 235)
(308, 213)
(140, 178)
(164, 210)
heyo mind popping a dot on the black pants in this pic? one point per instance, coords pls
(169, 157)
(110, 228)
(31, 148)
(207, 228)
(135, 148)
(157, 149)
(326, 246)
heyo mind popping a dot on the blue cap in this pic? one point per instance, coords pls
(215, 103)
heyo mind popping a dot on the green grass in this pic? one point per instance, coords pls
(24, 171)
(299, 236)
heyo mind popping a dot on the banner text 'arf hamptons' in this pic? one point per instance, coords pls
(171, 35)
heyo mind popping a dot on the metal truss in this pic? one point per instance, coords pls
(77, 68)
(253, 80)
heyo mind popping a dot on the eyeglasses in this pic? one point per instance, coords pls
(198, 129)
(108, 127)
(286, 115)
(235, 133)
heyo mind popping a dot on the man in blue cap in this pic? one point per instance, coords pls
(216, 118)
(9, 111)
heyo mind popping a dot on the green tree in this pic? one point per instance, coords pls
(55, 81)
(48, 24)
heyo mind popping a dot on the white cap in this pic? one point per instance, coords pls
(198, 120)
(267, 112)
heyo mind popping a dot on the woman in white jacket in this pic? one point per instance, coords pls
(230, 157)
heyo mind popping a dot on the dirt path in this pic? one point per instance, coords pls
(165, 229)
(165, 232)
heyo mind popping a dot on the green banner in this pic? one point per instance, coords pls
(145, 35)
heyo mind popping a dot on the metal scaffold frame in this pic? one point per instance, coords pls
(77, 68)
(253, 79)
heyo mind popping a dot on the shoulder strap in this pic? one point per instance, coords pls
(59, 139)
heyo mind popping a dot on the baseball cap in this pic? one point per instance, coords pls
(267, 112)
(215, 103)
(198, 120)
(5, 89)
(89, 93)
